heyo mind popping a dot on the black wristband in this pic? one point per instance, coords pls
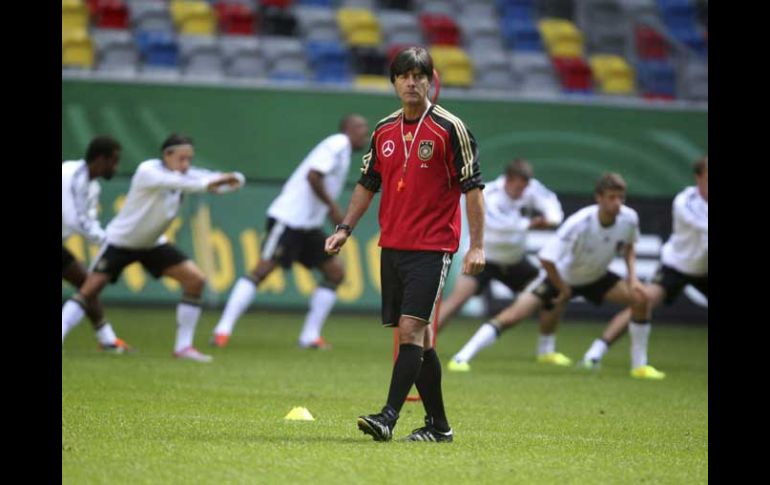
(344, 227)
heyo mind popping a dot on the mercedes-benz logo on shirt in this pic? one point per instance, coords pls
(388, 147)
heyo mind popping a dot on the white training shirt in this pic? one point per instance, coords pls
(582, 249)
(687, 250)
(152, 203)
(507, 220)
(297, 205)
(79, 200)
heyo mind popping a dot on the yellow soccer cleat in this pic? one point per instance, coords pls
(555, 358)
(647, 372)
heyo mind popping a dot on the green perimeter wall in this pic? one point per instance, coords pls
(265, 133)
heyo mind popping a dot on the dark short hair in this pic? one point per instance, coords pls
(409, 59)
(701, 166)
(101, 146)
(519, 167)
(610, 181)
(346, 120)
(175, 139)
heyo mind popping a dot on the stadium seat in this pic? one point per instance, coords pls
(437, 7)
(534, 73)
(561, 37)
(649, 43)
(612, 73)
(285, 58)
(277, 21)
(480, 32)
(369, 81)
(116, 51)
(695, 83)
(235, 18)
(74, 15)
(157, 48)
(369, 60)
(562, 9)
(574, 74)
(521, 35)
(400, 27)
(276, 3)
(317, 3)
(77, 49)
(242, 56)
(406, 5)
(327, 58)
(194, 17)
(453, 64)
(111, 14)
(200, 56)
(359, 27)
(439, 29)
(149, 15)
(317, 23)
(657, 79)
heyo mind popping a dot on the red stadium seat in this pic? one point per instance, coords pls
(650, 44)
(111, 14)
(236, 19)
(574, 72)
(440, 29)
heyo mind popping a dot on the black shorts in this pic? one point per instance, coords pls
(593, 292)
(113, 259)
(674, 281)
(515, 276)
(66, 258)
(285, 245)
(412, 282)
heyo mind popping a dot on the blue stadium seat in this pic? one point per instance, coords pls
(158, 48)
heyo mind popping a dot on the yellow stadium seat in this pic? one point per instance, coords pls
(350, 19)
(359, 26)
(364, 38)
(462, 78)
(77, 50)
(74, 14)
(193, 17)
(561, 37)
(613, 73)
(370, 81)
(453, 64)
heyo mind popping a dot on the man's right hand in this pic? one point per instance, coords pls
(335, 242)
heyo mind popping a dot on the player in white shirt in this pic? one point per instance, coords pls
(684, 260)
(79, 214)
(514, 204)
(137, 234)
(294, 232)
(576, 261)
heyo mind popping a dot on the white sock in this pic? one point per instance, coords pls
(187, 316)
(106, 335)
(240, 299)
(597, 350)
(640, 334)
(546, 344)
(71, 314)
(484, 337)
(321, 303)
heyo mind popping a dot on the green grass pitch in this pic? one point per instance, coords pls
(147, 418)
